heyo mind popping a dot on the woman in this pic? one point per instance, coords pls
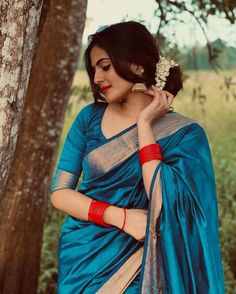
(144, 218)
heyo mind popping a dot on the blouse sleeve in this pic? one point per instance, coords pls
(70, 162)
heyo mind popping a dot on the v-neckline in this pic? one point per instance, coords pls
(117, 134)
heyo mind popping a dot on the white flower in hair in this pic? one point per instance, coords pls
(162, 71)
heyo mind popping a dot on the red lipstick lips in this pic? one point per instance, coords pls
(105, 89)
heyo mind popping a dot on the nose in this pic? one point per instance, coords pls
(98, 77)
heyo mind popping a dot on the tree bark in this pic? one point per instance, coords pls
(18, 31)
(23, 206)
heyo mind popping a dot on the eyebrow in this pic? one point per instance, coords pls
(100, 60)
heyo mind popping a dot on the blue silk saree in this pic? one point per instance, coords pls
(181, 252)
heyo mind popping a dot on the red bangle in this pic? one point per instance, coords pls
(150, 152)
(95, 213)
(124, 219)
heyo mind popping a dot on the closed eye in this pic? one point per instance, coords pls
(106, 68)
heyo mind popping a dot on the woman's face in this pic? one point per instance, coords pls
(112, 86)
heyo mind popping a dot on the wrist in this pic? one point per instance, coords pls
(146, 135)
(114, 216)
(96, 211)
(144, 123)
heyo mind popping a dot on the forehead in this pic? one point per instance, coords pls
(97, 54)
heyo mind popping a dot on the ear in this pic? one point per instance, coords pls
(138, 69)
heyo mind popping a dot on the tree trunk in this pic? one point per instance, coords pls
(18, 31)
(24, 203)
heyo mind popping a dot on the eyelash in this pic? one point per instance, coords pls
(106, 68)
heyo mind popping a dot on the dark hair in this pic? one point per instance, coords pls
(130, 43)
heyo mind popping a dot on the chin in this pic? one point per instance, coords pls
(112, 99)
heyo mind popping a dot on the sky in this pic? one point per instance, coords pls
(105, 12)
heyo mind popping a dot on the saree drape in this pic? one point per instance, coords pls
(181, 253)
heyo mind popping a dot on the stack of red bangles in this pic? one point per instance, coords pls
(150, 152)
(96, 211)
(97, 208)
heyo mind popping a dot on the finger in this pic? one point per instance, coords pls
(159, 95)
(162, 94)
(170, 98)
(167, 98)
(164, 97)
(154, 88)
(168, 94)
(150, 91)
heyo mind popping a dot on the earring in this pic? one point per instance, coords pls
(139, 87)
(171, 109)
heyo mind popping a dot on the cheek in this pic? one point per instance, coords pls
(120, 85)
(124, 85)
(127, 87)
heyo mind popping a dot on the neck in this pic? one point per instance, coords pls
(133, 104)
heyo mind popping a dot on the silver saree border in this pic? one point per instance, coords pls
(103, 158)
(120, 281)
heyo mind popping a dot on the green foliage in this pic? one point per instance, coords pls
(48, 268)
(169, 11)
(225, 169)
(197, 57)
(200, 9)
(81, 65)
(226, 184)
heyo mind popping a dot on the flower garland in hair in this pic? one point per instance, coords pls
(162, 72)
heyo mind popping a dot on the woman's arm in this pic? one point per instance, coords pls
(146, 137)
(77, 205)
(155, 110)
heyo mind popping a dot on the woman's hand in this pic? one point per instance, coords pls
(159, 106)
(136, 222)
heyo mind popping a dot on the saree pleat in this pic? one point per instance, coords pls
(120, 281)
(181, 252)
(152, 280)
(189, 251)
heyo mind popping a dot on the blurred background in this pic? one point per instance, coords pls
(200, 36)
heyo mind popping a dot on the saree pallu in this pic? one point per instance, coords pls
(181, 252)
